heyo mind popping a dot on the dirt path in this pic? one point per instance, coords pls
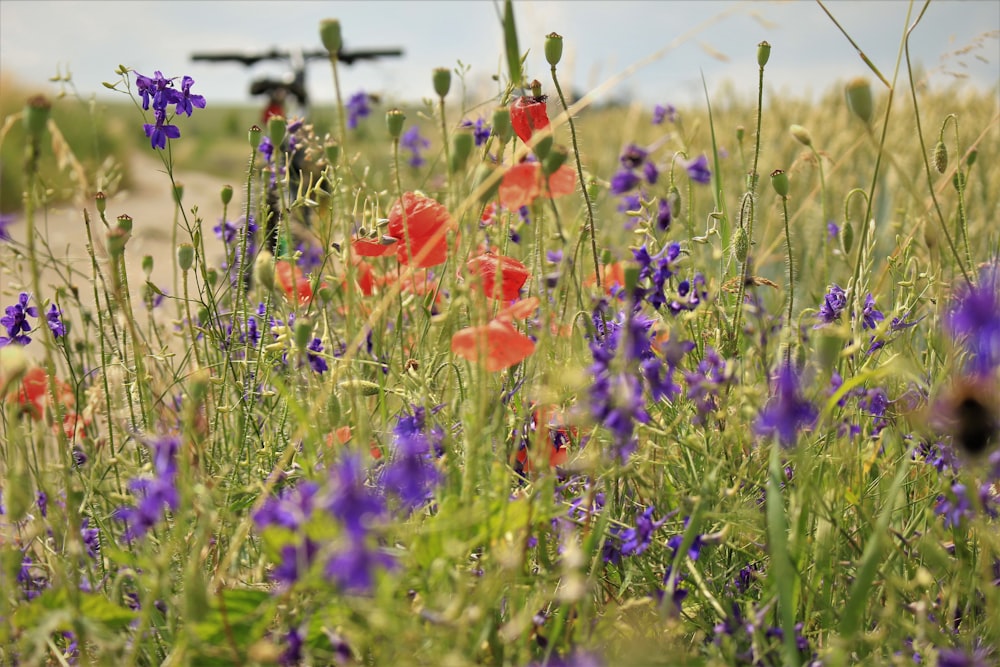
(149, 201)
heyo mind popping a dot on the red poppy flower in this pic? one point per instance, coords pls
(513, 274)
(611, 275)
(489, 214)
(425, 230)
(372, 248)
(33, 394)
(555, 434)
(498, 343)
(522, 184)
(293, 282)
(528, 114)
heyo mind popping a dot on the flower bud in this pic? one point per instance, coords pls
(276, 130)
(859, 98)
(674, 199)
(36, 116)
(971, 160)
(125, 222)
(553, 48)
(801, 135)
(101, 202)
(442, 81)
(847, 237)
(740, 132)
(13, 365)
(185, 256)
(940, 157)
(779, 181)
(254, 135)
(763, 54)
(394, 119)
(332, 152)
(556, 158)
(461, 148)
(303, 333)
(147, 265)
(263, 269)
(958, 180)
(741, 244)
(226, 194)
(542, 145)
(501, 124)
(329, 33)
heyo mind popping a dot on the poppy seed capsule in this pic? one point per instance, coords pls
(226, 194)
(254, 136)
(117, 238)
(329, 33)
(394, 119)
(553, 48)
(763, 54)
(36, 116)
(556, 158)
(276, 126)
(461, 148)
(740, 132)
(147, 265)
(779, 181)
(185, 256)
(125, 222)
(303, 332)
(442, 81)
(940, 157)
(859, 98)
(101, 202)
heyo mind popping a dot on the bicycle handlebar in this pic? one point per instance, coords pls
(248, 59)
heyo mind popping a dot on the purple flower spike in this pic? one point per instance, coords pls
(698, 170)
(787, 412)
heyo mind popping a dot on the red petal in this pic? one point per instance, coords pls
(425, 232)
(528, 114)
(371, 248)
(498, 344)
(520, 186)
(519, 310)
(293, 282)
(513, 274)
(563, 182)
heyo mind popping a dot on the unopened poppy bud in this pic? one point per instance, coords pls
(394, 119)
(325, 293)
(147, 265)
(332, 152)
(542, 145)
(553, 48)
(442, 81)
(303, 333)
(674, 199)
(859, 98)
(779, 181)
(740, 132)
(556, 158)
(958, 180)
(801, 135)
(226, 194)
(254, 135)
(13, 365)
(125, 222)
(36, 116)
(101, 202)
(763, 53)
(185, 256)
(263, 269)
(940, 157)
(741, 244)
(276, 126)
(117, 238)
(501, 124)
(461, 148)
(971, 160)
(483, 173)
(178, 192)
(847, 237)
(329, 33)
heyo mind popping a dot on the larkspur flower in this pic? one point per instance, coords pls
(159, 132)
(156, 494)
(833, 305)
(480, 130)
(973, 320)
(355, 567)
(316, 360)
(623, 181)
(410, 474)
(415, 143)
(871, 316)
(664, 112)
(637, 539)
(352, 501)
(698, 170)
(291, 509)
(633, 157)
(186, 102)
(16, 321)
(53, 319)
(6, 220)
(357, 108)
(788, 411)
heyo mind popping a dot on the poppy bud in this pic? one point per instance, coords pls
(801, 135)
(461, 148)
(763, 54)
(394, 119)
(185, 256)
(13, 365)
(674, 199)
(553, 48)
(303, 333)
(779, 181)
(442, 81)
(542, 145)
(147, 265)
(741, 244)
(528, 114)
(501, 124)
(859, 98)
(971, 160)
(226, 194)
(101, 202)
(847, 237)
(254, 136)
(329, 33)
(556, 158)
(940, 157)
(178, 192)
(958, 180)
(740, 131)
(36, 116)
(263, 269)
(276, 130)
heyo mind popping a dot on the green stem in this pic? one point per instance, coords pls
(790, 264)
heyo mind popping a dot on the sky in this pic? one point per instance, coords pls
(715, 39)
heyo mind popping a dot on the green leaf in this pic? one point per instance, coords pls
(510, 43)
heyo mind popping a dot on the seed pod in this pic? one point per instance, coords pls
(394, 119)
(940, 157)
(763, 54)
(101, 202)
(329, 33)
(303, 333)
(147, 265)
(441, 78)
(226, 194)
(779, 181)
(185, 256)
(859, 98)
(36, 116)
(958, 180)
(276, 126)
(254, 136)
(461, 148)
(553, 48)
(263, 269)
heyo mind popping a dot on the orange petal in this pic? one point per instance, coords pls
(372, 248)
(520, 185)
(293, 282)
(513, 274)
(563, 182)
(498, 344)
(519, 310)
(423, 239)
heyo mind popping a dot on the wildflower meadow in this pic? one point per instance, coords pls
(523, 380)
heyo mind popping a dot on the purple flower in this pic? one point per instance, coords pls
(16, 321)
(411, 475)
(787, 412)
(973, 320)
(955, 507)
(292, 655)
(185, 101)
(354, 568)
(161, 131)
(633, 157)
(871, 316)
(6, 220)
(980, 656)
(32, 583)
(698, 170)
(296, 560)
(266, 149)
(833, 304)
(55, 324)
(91, 538)
(156, 494)
(357, 108)
(480, 130)
(661, 113)
(623, 181)
(651, 173)
(663, 215)
(317, 362)
(291, 509)
(354, 503)
(832, 229)
(636, 540)
(412, 141)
